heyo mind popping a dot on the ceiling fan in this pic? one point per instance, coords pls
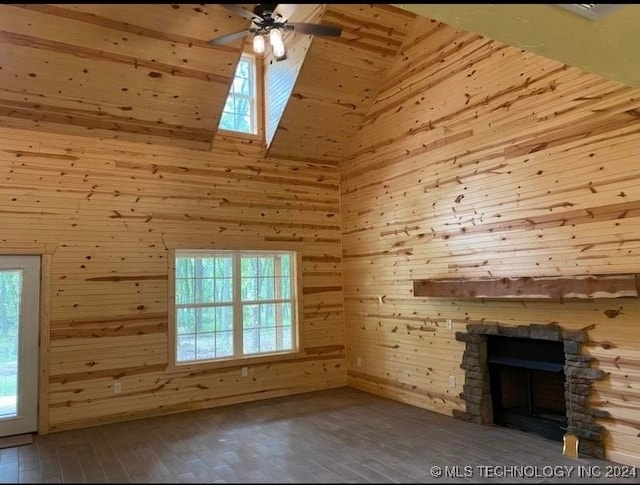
(270, 21)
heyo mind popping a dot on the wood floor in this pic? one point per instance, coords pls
(339, 435)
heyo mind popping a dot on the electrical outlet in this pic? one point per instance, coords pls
(117, 388)
(452, 381)
(359, 361)
(449, 323)
(245, 371)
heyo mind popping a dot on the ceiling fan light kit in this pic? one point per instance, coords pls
(279, 51)
(258, 44)
(267, 22)
(277, 44)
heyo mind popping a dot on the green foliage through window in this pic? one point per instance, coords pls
(10, 307)
(239, 112)
(233, 304)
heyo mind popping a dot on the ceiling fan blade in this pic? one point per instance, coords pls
(238, 10)
(315, 29)
(286, 10)
(230, 37)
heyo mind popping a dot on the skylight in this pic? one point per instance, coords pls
(592, 11)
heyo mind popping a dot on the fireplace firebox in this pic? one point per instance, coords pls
(527, 385)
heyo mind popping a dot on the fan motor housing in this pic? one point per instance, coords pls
(265, 9)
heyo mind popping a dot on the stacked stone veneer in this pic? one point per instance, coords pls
(579, 376)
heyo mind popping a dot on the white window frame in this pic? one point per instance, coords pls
(238, 305)
(253, 98)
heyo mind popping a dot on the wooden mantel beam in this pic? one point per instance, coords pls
(554, 287)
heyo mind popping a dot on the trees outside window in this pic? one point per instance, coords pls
(239, 112)
(232, 304)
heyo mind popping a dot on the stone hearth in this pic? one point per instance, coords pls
(477, 394)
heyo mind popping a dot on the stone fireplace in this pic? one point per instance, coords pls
(531, 377)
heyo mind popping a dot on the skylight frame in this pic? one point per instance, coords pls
(254, 99)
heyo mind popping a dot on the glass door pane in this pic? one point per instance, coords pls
(19, 329)
(10, 304)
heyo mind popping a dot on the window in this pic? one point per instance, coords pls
(233, 304)
(239, 113)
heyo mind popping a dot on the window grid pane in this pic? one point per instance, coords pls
(267, 328)
(197, 279)
(259, 281)
(204, 333)
(239, 109)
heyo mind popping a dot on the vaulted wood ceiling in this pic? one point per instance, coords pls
(339, 80)
(137, 72)
(146, 73)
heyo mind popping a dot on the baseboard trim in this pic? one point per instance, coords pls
(16, 440)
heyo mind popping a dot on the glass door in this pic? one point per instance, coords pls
(19, 325)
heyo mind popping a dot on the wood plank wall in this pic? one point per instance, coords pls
(140, 72)
(113, 207)
(479, 159)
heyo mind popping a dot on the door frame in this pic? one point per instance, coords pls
(45, 251)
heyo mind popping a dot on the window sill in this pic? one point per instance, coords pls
(233, 362)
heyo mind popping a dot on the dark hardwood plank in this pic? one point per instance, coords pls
(334, 436)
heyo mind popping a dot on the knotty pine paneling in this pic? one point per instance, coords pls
(135, 72)
(112, 208)
(479, 159)
(338, 80)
